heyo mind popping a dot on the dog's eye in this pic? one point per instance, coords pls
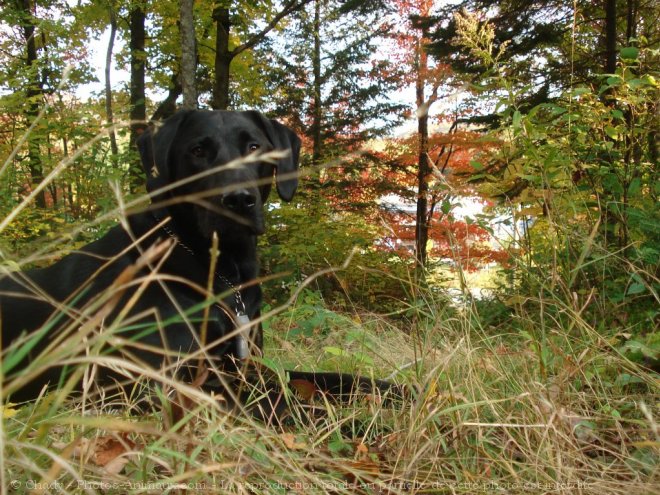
(252, 147)
(198, 151)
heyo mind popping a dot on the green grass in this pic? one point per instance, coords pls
(525, 408)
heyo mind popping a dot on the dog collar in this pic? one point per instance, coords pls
(242, 320)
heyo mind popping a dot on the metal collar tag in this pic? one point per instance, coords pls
(242, 344)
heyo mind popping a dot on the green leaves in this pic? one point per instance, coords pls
(629, 53)
(580, 171)
(636, 349)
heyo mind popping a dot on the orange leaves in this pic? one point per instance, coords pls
(291, 442)
(303, 388)
(108, 452)
(465, 244)
(380, 185)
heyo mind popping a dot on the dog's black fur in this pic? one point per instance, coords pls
(225, 199)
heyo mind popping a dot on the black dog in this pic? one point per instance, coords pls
(206, 176)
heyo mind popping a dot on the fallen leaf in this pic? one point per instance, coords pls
(289, 440)
(304, 388)
(115, 466)
(107, 451)
(362, 449)
(109, 448)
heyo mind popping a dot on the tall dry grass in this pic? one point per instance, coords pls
(536, 407)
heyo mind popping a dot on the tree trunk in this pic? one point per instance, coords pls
(34, 96)
(108, 87)
(424, 167)
(188, 54)
(223, 58)
(316, 63)
(631, 19)
(612, 216)
(138, 112)
(610, 36)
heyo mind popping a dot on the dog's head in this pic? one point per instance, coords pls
(212, 162)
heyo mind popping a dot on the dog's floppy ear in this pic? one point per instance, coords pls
(282, 138)
(154, 147)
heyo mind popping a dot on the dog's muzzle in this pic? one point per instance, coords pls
(243, 206)
(241, 201)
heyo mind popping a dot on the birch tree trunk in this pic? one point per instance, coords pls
(108, 86)
(188, 54)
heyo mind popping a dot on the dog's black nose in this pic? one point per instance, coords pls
(241, 200)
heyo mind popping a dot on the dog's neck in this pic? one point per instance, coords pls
(237, 259)
(239, 253)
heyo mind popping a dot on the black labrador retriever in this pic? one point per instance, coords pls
(207, 176)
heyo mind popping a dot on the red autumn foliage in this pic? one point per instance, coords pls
(362, 183)
(466, 244)
(389, 168)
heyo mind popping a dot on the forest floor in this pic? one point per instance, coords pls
(541, 405)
